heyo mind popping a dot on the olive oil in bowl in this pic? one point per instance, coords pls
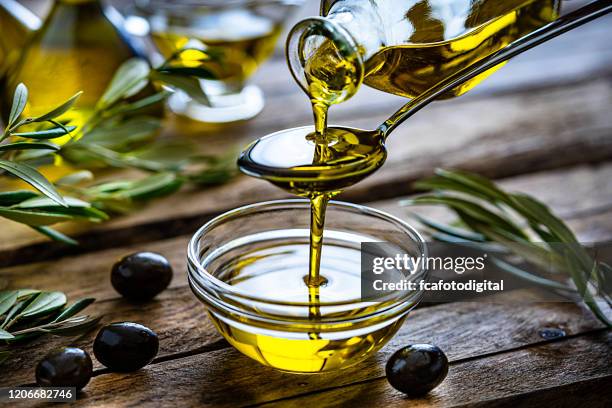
(250, 268)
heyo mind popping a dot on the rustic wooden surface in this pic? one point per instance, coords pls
(542, 125)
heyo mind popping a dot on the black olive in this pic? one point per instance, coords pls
(417, 369)
(65, 367)
(125, 346)
(141, 275)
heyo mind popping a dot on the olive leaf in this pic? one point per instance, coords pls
(60, 110)
(44, 313)
(28, 145)
(7, 300)
(131, 107)
(33, 217)
(54, 235)
(4, 335)
(31, 176)
(130, 78)
(73, 309)
(75, 178)
(43, 304)
(20, 99)
(47, 133)
(189, 85)
(9, 198)
(197, 72)
(510, 220)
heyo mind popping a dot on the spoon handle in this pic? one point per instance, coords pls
(561, 25)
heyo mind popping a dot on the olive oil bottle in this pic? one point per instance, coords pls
(405, 47)
(78, 48)
(16, 25)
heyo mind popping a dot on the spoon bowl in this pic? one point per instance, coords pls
(303, 163)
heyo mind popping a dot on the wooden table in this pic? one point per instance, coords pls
(543, 125)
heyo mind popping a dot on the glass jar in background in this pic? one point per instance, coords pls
(238, 35)
(16, 24)
(78, 48)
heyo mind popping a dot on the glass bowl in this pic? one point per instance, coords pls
(248, 266)
(229, 38)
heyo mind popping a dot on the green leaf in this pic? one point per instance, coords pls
(31, 176)
(459, 233)
(191, 86)
(125, 133)
(75, 178)
(13, 314)
(473, 210)
(40, 202)
(20, 99)
(154, 186)
(24, 293)
(73, 309)
(4, 335)
(27, 145)
(43, 304)
(74, 326)
(130, 78)
(198, 72)
(473, 184)
(7, 300)
(60, 110)
(530, 277)
(46, 134)
(33, 217)
(9, 198)
(55, 235)
(125, 108)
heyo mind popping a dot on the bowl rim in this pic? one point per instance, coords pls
(218, 286)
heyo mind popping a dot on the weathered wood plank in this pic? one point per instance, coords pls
(507, 139)
(567, 366)
(88, 274)
(226, 378)
(176, 316)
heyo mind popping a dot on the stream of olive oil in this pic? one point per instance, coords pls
(320, 164)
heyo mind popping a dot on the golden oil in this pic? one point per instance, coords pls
(236, 49)
(428, 41)
(316, 166)
(436, 50)
(16, 25)
(290, 348)
(78, 48)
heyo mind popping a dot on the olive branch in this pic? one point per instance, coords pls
(26, 314)
(121, 133)
(506, 224)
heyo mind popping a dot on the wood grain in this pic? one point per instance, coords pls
(516, 377)
(226, 378)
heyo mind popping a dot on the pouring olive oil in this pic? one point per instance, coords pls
(433, 40)
(319, 162)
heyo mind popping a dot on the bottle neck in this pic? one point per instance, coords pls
(361, 19)
(332, 50)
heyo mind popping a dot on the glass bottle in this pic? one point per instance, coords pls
(78, 48)
(16, 25)
(404, 47)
